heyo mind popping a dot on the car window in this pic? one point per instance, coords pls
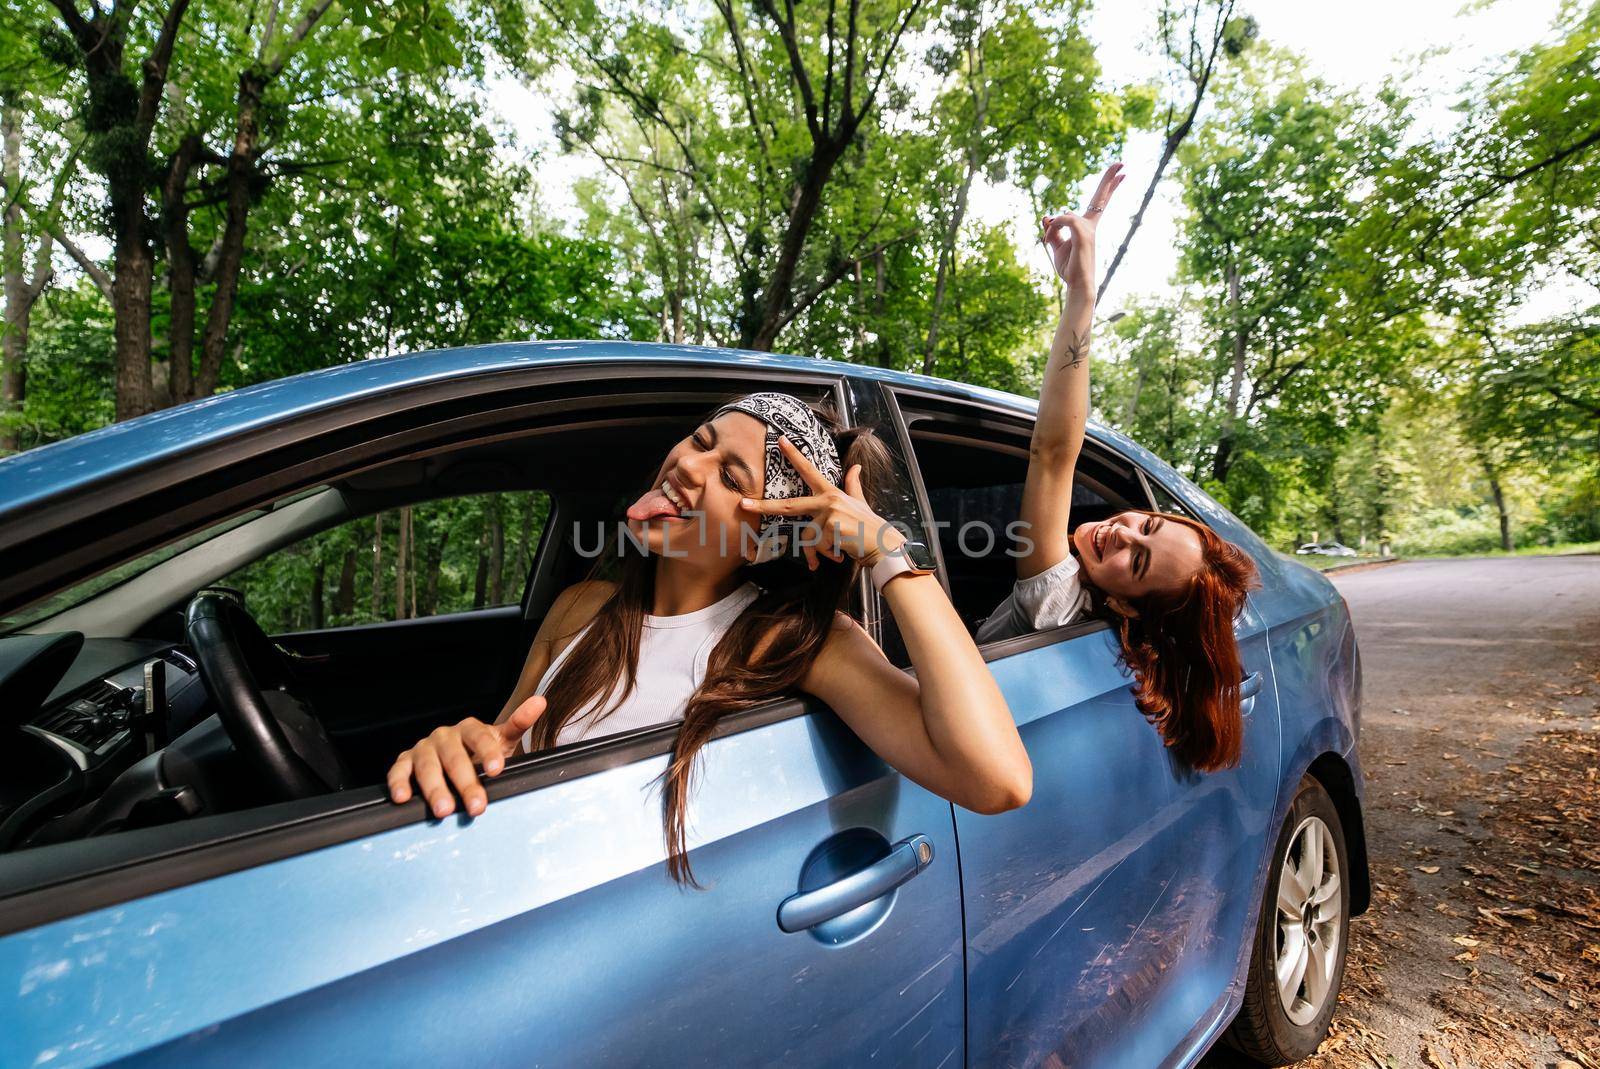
(1164, 501)
(974, 475)
(79, 593)
(449, 555)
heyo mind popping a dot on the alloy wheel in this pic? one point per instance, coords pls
(1310, 917)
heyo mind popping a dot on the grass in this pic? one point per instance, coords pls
(1560, 549)
(1322, 564)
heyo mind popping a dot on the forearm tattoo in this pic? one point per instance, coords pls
(1078, 348)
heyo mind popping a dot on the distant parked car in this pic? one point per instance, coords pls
(200, 864)
(1326, 549)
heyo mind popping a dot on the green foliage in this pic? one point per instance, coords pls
(69, 367)
(707, 134)
(464, 553)
(1348, 354)
(1451, 531)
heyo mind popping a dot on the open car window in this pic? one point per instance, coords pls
(141, 566)
(446, 555)
(973, 464)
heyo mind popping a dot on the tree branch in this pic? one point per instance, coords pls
(797, 66)
(888, 56)
(96, 273)
(302, 29)
(831, 277)
(155, 69)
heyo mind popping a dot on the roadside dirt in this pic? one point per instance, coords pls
(1481, 749)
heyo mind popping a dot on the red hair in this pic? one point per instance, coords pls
(1183, 655)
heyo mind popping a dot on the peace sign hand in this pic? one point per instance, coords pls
(842, 523)
(1069, 237)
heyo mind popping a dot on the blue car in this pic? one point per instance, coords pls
(199, 864)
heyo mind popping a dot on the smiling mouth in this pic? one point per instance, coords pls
(664, 502)
(673, 495)
(1098, 539)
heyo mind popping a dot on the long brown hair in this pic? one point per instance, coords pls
(766, 651)
(1185, 659)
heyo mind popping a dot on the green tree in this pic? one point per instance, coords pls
(1273, 183)
(185, 121)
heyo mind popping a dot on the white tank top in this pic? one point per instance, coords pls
(673, 652)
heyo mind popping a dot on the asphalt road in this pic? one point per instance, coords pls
(1480, 737)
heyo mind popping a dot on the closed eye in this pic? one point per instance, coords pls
(1142, 566)
(727, 478)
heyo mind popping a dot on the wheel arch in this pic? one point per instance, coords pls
(1334, 773)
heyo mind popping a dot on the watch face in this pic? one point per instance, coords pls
(920, 556)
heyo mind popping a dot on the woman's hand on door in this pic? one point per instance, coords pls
(450, 756)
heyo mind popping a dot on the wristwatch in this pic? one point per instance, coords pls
(909, 558)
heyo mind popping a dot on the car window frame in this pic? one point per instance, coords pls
(68, 879)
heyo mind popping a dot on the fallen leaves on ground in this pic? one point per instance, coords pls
(1526, 990)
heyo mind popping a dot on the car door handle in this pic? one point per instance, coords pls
(810, 908)
(1250, 687)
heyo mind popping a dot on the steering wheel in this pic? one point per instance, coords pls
(250, 678)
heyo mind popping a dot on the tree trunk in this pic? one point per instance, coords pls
(401, 560)
(344, 597)
(411, 572)
(480, 580)
(1131, 409)
(319, 619)
(432, 556)
(497, 553)
(377, 565)
(525, 540)
(180, 271)
(1224, 456)
(947, 256)
(125, 109)
(13, 388)
(1499, 496)
(769, 320)
(958, 214)
(880, 305)
(130, 307)
(241, 171)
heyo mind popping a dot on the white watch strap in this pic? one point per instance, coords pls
(888, 566)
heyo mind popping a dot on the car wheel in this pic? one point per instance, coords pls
(1297, 962)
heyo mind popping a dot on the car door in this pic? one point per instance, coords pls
(1066, 898)
(543, 932)
(1103, 917)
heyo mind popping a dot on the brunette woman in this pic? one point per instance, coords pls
(753, 541)
(1170, 584)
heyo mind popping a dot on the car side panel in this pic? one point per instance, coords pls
(1069, 899)
(543, 932)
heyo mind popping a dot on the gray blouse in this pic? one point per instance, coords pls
(1054, 597)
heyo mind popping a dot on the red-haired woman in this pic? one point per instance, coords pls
(1171, 584)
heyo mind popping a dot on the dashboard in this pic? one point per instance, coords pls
(94, 722)
(101, 735)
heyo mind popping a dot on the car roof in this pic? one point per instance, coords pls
(58, 467)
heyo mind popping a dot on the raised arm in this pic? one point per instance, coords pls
(1064, 393)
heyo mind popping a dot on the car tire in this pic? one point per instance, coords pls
(1276, 1025)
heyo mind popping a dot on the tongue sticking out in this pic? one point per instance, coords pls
(651, 505)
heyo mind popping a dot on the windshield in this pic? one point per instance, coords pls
(79, 593)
